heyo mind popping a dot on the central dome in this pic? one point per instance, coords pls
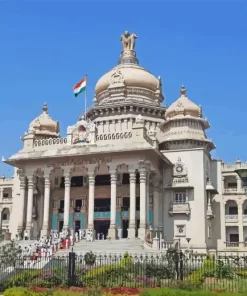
(133, 75)
(128, 80)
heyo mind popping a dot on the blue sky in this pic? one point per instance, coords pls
(48, 46)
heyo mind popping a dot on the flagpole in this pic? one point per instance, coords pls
(85, 106)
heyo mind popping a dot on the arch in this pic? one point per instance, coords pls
(231, 207)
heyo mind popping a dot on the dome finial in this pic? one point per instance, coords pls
(128, 55)
(45, 108)
(183, 90)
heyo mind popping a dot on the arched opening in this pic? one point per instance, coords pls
(5, 219)
(230, 184)
(231, 218)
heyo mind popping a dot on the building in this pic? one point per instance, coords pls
(6, 193)
(131, 164)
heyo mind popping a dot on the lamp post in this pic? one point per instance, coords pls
(242, 173)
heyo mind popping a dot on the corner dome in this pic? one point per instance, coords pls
(128, 80)
(183, 107)
(44, 125)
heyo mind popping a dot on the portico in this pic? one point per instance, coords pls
(136, 172)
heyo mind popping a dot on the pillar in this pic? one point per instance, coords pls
(0, 221)
(91, 182)
(45, 227)
(223, 222)
(223, 184)
(240, 222)
(29, 207)
(239, 184)
(1, 194)
(156, 203)
(132, 211)
(66, 199)
(112, 232)
(147, 198)
(20, 227)
(143, 202)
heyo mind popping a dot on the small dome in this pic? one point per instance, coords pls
(183, 106)
(133, 76)
(44, 125)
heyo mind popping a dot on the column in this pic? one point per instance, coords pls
(112, 232)
(156, 203)
(44, 231)
(29, 225)
(239, 184)
(132, 211)
(91, 182)
(0, 221)
(22, 202)
(223, 184)
(240, 222)
(1, 194)
(147, 198)
(143, 207)
(222, 222)
(66, 199)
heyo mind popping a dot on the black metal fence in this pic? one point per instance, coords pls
(173, 269)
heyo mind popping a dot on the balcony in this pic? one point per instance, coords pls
(231, 218)
(234, 190)
(6, 200)
(5, 223)
(179, 208)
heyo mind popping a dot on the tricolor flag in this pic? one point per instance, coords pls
(80, 86)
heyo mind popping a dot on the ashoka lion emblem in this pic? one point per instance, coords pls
(82, 135)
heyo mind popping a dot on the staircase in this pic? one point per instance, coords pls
(132, 246)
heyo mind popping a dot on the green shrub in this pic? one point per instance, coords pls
(21, 292)
(197, 277)
(23, 279)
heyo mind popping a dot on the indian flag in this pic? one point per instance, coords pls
(80, 86)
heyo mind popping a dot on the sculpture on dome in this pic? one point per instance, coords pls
(128, 40)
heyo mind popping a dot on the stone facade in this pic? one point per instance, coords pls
(129, 166)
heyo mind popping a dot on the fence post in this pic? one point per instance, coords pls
(181, 266)
(71, 269)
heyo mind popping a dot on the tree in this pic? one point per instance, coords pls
(10, 254)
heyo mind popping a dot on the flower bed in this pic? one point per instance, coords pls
(75, 291)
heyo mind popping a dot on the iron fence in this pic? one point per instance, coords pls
(172, 269)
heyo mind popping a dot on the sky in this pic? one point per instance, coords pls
(46, 46)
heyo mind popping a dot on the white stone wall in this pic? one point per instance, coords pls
(195, 224)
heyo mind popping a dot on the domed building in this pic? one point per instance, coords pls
(130, 169)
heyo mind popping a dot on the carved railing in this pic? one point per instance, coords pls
(114, 136)
(50, 142)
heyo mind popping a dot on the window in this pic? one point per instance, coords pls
(102, 180)
(5, 216)
(180, 197)
(233, 210)
(5, 195)
(77, 181)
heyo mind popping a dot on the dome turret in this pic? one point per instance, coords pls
(183, 107)
(184, 127)
(44, 125)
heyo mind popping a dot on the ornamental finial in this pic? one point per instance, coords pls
(45, 108)
(183, 90)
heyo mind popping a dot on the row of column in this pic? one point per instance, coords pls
(144, 202)
(240, 221)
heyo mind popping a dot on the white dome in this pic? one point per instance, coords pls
(44, 124)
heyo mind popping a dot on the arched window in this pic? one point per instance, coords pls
(180, 197)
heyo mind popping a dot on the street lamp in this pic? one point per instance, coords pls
(242, 173)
